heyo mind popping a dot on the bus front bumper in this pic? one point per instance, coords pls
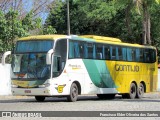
(31, 91)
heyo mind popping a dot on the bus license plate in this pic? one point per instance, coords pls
(27, 91)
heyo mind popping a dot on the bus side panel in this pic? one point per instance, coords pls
(92, 75)
(76, 71)
(153, 77)
(98, 75)
(124, 73)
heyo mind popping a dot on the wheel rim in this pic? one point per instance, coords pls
(141, 89)
(74, 92)
(133, 90)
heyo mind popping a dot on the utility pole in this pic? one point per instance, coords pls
(68, 18)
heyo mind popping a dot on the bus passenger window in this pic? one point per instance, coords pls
(120, 53)
(133, 54)
(85, 51)
(141, 55)
(129, 54)
(71, 49)
(89, 51)
(152, 55)
(146, 56)
(106, 53)
(81, 50)
(113, 52)
(99, 55)
(76, 50)
(124, 54)
(137, 55)
(99, 51)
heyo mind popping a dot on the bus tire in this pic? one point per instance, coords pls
(40, 98)
(132, 92)
(73, 93)
(140, 91)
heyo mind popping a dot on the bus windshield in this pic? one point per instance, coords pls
(29, 59)
(30, 65)
(34, 46)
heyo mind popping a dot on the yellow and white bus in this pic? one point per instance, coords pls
(68, 66)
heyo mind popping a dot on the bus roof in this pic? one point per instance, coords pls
(116, 41)
(88, 38)
(43, 37)
(54, 37)
(102, 38)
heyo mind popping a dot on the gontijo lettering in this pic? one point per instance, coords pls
(128, 68)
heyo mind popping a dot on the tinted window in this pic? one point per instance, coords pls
(113, 52)
(34, 46)
(85, 50)
(99, 51)
(106, 52)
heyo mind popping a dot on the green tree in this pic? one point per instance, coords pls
(11, 27)
(90, 18)
(115, 18)
(143, 7)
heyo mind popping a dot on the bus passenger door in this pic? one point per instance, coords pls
(56, 66)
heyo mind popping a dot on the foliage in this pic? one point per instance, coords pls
(155, 27)
(102, 17)
(20, 18)
(115, 18)
(85, 18)
(11, 27)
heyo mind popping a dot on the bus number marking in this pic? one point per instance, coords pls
(60, 88)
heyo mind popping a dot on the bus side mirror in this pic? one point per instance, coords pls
(49, 57)
(4, 57)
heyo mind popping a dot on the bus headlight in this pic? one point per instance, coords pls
(44, 85)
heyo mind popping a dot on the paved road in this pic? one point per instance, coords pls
(150, 102)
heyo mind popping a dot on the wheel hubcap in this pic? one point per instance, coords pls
(133, 90)
(74, 92)
(141, 90)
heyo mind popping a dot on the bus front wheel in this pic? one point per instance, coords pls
(73, 93)
(40, 98)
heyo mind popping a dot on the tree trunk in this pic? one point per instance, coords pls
(146, 25)
(127, 17)
(148, 29)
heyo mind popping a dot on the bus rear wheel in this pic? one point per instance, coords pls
(140, 91)
(73, 93)
(40, 98)
(132, 92)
